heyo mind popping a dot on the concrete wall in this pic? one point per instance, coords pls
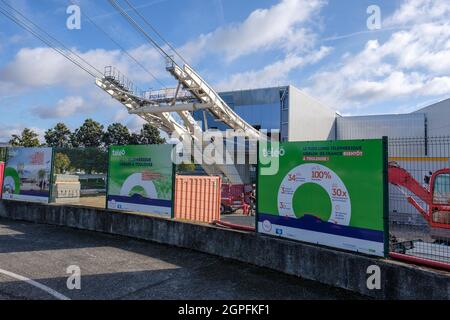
(308, 118)
(332, 267)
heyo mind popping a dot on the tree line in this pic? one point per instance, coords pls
(85, 148)
(91, 134)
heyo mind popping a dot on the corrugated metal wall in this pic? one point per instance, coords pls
(437, 118)
(197, 198)
(375, 127)
(309, 119)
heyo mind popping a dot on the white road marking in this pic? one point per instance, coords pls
(38, 285)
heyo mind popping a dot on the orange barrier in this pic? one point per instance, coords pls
(2, 168)
(197, 198)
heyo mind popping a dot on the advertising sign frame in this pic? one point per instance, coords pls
(317, 166)
(146, 171)
(28, 175)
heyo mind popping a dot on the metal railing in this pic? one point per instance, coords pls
(168, 94)
(114, 75)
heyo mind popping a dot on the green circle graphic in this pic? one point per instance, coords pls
(312, 199)
(10, 172)
(138, 190)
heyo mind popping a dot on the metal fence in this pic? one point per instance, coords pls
(238, 191)
(3, 154)
(80, 176)
(419, 191)
(419, 198)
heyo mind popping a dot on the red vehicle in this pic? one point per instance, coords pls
(235, 197)
(436, 196)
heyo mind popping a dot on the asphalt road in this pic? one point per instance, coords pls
(121, 268)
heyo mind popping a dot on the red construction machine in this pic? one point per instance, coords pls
(436, 196)
(237, 196)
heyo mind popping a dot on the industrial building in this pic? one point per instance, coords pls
(414, 137)
(300, 117)
(431, 121)
(293, 112)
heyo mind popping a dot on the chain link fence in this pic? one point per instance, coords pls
(80, 176)
(419, 198)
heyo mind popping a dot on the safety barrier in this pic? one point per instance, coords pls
(419, 194)
(197, 199)
(418, 215)
(79, 176)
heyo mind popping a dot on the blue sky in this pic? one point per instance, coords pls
(321, 46)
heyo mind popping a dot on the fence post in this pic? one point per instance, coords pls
(52, 179)
(386, 196)
(257, 189)
(174, 183)
(107, 178)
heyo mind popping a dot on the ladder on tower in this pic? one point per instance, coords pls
(192, 94)
(193, 83)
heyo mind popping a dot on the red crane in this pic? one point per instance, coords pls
(436, 196)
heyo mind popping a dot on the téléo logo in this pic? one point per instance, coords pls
(274, 152)
(267, 226)
(118, 153)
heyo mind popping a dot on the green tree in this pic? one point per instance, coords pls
(3, 154)
(90, 134)
(135, 139)
(41, 176)
(150, 135)
(58, 137)
(89, 160)
(28, 139)
(62, 163)
(117, 134)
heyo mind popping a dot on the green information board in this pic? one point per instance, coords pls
(140, 179)
(330, 193)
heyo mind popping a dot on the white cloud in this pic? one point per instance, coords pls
(120, 116)
(414, 62)
(135, 123)
(42, 67)
(6, 131)
(278, 26)
(274, 74)
(37, 68)
(419, 11)
(64, 108)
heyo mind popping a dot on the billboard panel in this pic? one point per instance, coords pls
(140, 179)
(27, 174)
(330, 193)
